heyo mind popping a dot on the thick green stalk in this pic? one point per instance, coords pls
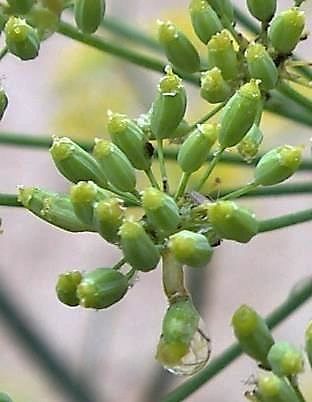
(283, 221)
(294, 300)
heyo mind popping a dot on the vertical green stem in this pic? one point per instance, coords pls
(209, 170)
(162, 165)
(149, 173)
(182, 185)
(241, 191)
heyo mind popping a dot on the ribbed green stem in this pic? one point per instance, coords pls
(296, 96)
(239, 192)
(209, 169)
(182, 185)
(295, 300)
(283, 221)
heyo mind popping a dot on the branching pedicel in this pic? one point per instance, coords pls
(176, 227)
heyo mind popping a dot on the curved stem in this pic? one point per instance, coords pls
(283, 221)
(182, 185)
(239, 192)
(209, 170)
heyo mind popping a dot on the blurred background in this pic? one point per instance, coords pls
(67, 90)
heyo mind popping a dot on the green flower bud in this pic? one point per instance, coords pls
(277, 165)
(249, 145)
(116, 166)
(89, 14)
(274, 389)
(138, 248)
(83, 196)
(3, 103)
(66, 288)
(108, 217)
(232, 222)
(53, 208)
(178, 48)
(74, 163)
(239, 114)
(205, 21)
(195, 149)
(261, 66)
(308, 342)
(20, 6)
(223, 8)
(161, 210)
(286, 30)
(44, 20)
(252, 333)
(130, 139)
(262, 10)
(190, 248)
(285, 359)
(101, 288)
(222, 54)
(213, 87)
(21, 39)
(5, 397)
(169, 106)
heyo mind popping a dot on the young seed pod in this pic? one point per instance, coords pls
(262, 10)
(261, 66)
(108, 217)
(138, 248)
(83, 197)
(252, 333)
(213, 86)
(178, 48)
(239, 114)
(89, 14)
(249, 145)
(21, 39)
(205, 21)
(101, 288)
(20, 6)
(130, 139)
(222, 54)
(277, 165)
(44, 20)
(3, 103)
(169, 107)
(53, 208)
(223, 8)
(274, 389)
(308, 342)
(161, 210)
(286, 29)
(190, 248)
(195, 149)
(285, 359)
(232, 222)
(74, 163)
(115, 164)
(66, 287)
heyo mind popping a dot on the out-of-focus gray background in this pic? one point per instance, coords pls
(113, 350)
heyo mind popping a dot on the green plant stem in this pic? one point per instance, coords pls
(283, 221)
(296, 96)
(207, 116)
(294, 383)
(182, 185)
(209, 169)
(150, 175)
(294, 300)
(119, 264)
(239, 192)
(3, 52)
(162, 165)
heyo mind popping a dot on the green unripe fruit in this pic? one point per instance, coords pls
(169, 107)
(274, 389)
(286, 30)
(44, 20)
(223, 8)
(263, 10)
(261, 66)
(232, 222)
(169, 353)
(195, 149)
(101, 288)
(3, 103)
(252, 333)
(239, 114)
(74, 163)
(161, 211)
(249, 145)
(178, 48)
(222, 54)
(20, 6)
(89, 14)
(278, 165)
(190, 248)
(213, 87)
(115, 164)
(53, 208)
(138, 248)
(285, 359)
(130, 139)
(205, 21)
(21, 39)
(5, 397)
(108, 216)
(66, 288)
